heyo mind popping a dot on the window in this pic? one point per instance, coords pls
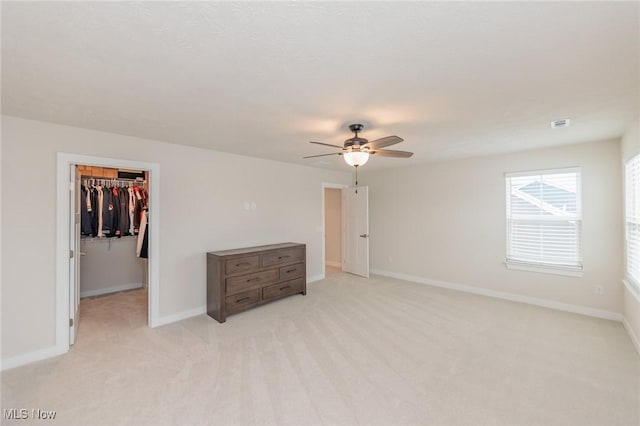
(632, 217)
(544, 220)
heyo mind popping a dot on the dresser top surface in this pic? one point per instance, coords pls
(247, 250)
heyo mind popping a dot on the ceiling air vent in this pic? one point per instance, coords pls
(557, 124)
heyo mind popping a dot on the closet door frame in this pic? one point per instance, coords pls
(63, 231)
(339, 187)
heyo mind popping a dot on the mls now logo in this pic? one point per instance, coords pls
(43, 415)
(23, 414)
(16, 413)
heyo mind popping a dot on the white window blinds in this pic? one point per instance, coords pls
(632, 217)
(544, 218)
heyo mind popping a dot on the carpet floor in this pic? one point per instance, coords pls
(353, 351)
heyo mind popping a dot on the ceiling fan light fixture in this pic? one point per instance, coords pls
(356, 150)
(356, 158)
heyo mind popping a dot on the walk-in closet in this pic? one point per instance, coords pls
(114, 236)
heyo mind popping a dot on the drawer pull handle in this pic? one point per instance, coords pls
(288, 271)
(253, 279)
(283, 257)
(285, 287)
(243, 299)
(242, 263)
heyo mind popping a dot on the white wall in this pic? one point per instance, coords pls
(203, 195)
(631, 306)
(110, 264)
(333, 226)
(446, 222)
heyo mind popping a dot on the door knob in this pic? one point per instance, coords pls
(364, 235)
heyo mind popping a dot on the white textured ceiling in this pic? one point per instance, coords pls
(453, 79)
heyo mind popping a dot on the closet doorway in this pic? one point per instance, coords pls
(333, 232)
(113, 250)
(102, 249)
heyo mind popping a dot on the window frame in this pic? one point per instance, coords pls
(632, 281)
(534, 265)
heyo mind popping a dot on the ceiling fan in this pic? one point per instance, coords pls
(356, 150)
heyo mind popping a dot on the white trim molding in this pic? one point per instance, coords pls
(567, 271)
(64, 161)
(109, 290)
(551, 304)
(333, 264)
(30, 357)
(169, 319)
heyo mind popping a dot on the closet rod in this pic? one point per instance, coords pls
(111, 181)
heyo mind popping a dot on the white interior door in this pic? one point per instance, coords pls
(74, 254)
(356, 231)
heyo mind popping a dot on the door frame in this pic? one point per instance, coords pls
(63, 232)
(75, 203)
(326, 185)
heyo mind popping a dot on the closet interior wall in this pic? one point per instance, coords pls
(333, 227)
(108, 263)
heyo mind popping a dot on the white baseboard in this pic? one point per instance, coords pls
(551, 304)
(632, 335)
(334, 264)
(115, 289)
(180, 316)
(315, 278)
(28, 358)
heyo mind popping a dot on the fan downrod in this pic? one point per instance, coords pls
(356, 128)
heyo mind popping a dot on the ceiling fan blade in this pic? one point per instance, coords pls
(382, 142)
(390, 153)
(323, 155)
(327, 144)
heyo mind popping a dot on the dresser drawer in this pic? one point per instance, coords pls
(292, 271)
(243, 278)
(281, 257)
(242, 264)
(247, 282)
(242, 301)
(283, 289)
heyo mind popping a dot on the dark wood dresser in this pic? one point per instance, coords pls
(241, 279)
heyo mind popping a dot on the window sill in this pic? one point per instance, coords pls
(567, 271)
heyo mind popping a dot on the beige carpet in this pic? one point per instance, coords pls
(353, 351)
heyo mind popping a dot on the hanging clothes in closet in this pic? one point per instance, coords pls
(140, 199)
(142, 247)
(111, 210)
